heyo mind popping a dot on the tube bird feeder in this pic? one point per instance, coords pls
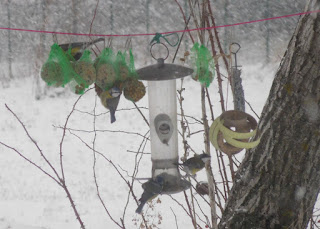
(161, 79)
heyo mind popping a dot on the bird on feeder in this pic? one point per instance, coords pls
(110, 100)
(195, 164)
(152, 188)
(77, 48)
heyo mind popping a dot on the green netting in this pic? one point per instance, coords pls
(121, 67)
(131, 66)
(85, 73)
(112, 68)
(204, 64)
(57, 70)
(106, 72)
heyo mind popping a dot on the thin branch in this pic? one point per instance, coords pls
(175, 218)
(252, 109)
(144, 118)
(64, 133)
(34, 142)
(209, 173)
(31, 162)
(94, 166)
(111, 131)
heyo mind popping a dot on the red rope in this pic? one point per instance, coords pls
(152, 34)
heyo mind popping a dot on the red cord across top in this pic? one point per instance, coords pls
(152, 34)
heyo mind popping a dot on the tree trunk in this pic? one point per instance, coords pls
(278, 182)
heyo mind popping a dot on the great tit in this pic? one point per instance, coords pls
(77, 48)
(152, 188)
(195, 164)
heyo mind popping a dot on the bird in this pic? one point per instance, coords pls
(202, 188)
(152, 188)
(110, 100)
(77, 48)
(195, 164)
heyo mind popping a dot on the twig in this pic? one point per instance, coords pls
(144, 118)
(64, 133)
(61, 182)
(208, 164)
(175, 218)
(185, 21)
(136, 152)
(190, 210)
(214, 53)
(34, 142)
(111, 131)
(252, 109)
(31, 162)
(94, 166)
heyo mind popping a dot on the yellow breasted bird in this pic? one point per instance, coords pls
(195, 164)
(152, 188)
(77, 48)
(110, 100)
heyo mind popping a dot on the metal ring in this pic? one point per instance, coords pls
(157, 44)
(239, 47)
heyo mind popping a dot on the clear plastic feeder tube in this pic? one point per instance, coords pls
(163, 126)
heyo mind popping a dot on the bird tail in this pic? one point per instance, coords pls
(139, 209)
(176, 163)
(112, 116)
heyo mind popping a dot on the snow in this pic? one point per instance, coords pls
(29, 199)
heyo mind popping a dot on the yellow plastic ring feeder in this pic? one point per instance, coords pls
(233, 131)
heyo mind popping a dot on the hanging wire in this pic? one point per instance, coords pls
(158, 36)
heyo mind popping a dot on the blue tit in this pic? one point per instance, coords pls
(195, 164)
(77, 48)
(152, 188)
(110, 100)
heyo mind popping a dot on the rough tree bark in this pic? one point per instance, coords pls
(278, 182)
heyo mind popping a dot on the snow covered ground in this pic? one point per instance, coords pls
(31, 200)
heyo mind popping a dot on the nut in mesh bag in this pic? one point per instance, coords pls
(86, 70)
(123, 72)
(106, 76)
(51, 73)
(134, 90)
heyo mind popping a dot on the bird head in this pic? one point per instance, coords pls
(205, 157)
(159, 179)
(114, 92)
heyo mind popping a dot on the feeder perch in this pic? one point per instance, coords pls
(163, 122)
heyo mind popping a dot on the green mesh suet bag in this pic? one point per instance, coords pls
(85, 69)
(85, 73)
(204, 64)
(121, 67)
(57, 70)
(106, 73)
(132, 69)
(125, 67)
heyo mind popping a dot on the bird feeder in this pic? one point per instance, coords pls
(161, 79)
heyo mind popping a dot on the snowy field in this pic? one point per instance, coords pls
(31, 200)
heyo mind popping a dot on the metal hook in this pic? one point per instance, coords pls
(110, 42)
(234, 51)
(55, 38)
(237, 50)
(128, 44)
